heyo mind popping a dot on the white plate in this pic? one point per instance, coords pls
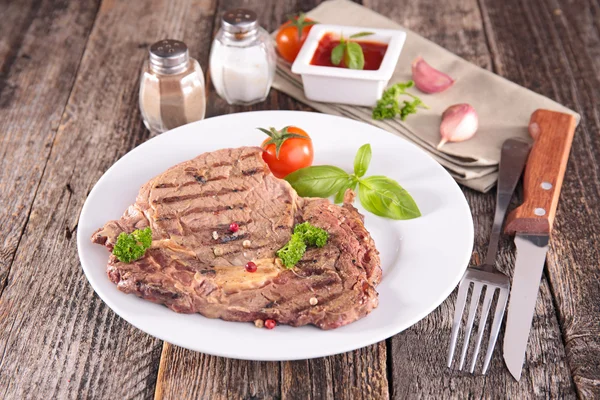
(422, 259)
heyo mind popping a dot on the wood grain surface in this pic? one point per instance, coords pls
(69, 74)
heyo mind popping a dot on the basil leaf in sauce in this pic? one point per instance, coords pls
(337, 54)
(362, 160)
(353, 56)
(361, 34)
(318, 181)
(385, 197)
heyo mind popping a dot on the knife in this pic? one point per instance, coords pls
(531, 223)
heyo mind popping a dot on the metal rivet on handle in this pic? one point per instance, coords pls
(546, 185)
(539, 212)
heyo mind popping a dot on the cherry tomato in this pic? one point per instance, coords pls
(291, 36)
(295, 150)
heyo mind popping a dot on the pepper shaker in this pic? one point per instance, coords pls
(172, 89)
(242, 59)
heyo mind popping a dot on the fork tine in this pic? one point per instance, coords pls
(485, 309)
(500, 307)
(458, 312)
(472, 310)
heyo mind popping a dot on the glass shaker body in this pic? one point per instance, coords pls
(171, 98)
(242, 67)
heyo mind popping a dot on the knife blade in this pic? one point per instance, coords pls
(531, 223)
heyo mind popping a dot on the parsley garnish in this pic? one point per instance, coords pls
(293, 251)
(389, 105)
(304, 235)
(132, 246)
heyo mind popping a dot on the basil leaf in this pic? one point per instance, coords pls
(361, 34)
(362, 160)
(385, 197)
(339, 197)
(353, 56)
(318, 181)
(337, 54)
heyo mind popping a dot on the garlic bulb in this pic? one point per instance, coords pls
(459, 123)
(428, 79)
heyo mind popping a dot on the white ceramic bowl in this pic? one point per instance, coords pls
(344, 85)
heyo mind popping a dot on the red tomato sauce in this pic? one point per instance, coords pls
(373, 51)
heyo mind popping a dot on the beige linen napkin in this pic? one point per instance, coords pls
(503, 107)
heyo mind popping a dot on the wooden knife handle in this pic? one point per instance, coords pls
(552, 133)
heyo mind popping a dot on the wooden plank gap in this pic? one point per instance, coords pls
(490, 39)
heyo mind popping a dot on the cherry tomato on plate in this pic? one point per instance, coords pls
(291, 36)
(287, 150)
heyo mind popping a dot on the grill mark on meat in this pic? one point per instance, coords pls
(312, 271)
(217, 209)
(210, 272)
(197, 179)
(245, 156)
(221, 228)
(251, 171)
(232, 238)
(323, 302)
(220, 192)
(328, 280)
(201, 210)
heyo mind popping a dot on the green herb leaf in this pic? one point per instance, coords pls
(362, 160)
(132, 246)
(389, 105)
(410, 107)
(293, 251)
(339, 197)
(353, 56)
(338, 53)
(317, 181)
(361, 34)
(305, 234)
(385, 197)
(312, 235)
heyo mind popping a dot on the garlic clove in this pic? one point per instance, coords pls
(428, 79)
(459, 123)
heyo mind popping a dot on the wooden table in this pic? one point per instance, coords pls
(69, 75)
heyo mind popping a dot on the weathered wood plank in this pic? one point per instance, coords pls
(354, 375)
(554, 48)
(187, 374)
(359, 374)
(32, 53)
(57, 338)
(419, 355)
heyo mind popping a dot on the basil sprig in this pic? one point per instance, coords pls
(350, 52)
(378, 194)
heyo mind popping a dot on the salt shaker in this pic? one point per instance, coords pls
(242, 59)
(172, 89)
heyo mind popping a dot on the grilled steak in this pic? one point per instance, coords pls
(196, 265)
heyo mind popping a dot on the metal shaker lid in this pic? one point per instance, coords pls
(239, 20)
(169, 56)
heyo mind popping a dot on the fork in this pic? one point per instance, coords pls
(512, 161)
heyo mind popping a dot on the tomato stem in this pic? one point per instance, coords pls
(300, 22)
(279, 137)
